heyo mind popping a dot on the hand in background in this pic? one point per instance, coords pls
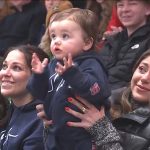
(114, 31)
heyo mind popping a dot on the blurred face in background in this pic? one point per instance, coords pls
(133, 13)
(100, 1)
(49, 4)
(19, 3)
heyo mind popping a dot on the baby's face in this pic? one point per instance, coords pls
(66, 37)
(19, 3)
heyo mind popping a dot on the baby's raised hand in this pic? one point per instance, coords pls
(37, 65)
(68, 62)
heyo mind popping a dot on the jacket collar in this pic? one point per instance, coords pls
(139, 115)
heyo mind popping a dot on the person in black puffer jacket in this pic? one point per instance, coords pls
(121, 51)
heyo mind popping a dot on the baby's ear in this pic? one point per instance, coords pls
(88, 44)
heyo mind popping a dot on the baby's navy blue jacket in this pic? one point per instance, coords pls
(88, 79)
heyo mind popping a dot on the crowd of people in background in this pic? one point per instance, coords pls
(22, 24)
(77, 71)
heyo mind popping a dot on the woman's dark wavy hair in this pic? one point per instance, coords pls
(28, 50)
(125, 105)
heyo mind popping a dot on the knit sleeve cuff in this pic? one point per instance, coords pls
(105, 134)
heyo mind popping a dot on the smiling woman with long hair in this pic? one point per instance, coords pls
(23, 130)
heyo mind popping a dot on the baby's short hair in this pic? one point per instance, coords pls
(87, 20)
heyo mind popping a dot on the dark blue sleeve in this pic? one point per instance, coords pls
(38, 84)
(89, 80)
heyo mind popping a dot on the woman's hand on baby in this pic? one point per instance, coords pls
(67, 63)
(42, 115)
(38, 66)
(89, 116)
